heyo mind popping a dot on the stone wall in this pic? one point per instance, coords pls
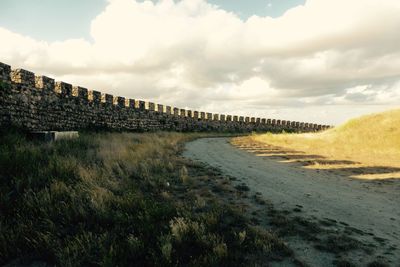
(39, 103)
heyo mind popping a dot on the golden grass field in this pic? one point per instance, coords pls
(371, 140)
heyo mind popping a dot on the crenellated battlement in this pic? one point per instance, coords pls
(94, 96)
(65, 107)
(23, 77)
(80, 92)
(44, 83)
(5, 71)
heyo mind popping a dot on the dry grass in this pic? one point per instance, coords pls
(372, 140)
(119, 199)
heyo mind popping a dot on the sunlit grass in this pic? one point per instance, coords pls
(368, 141)
(372, 140)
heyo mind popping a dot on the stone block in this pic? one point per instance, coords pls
(23, 77)
(119, 101)
(80, 92)
(182, 112)
(140, 105)
(44, 83)
(107, 98)
(152, 106)
(130, 103)
(5, 72)
(49, 136)
(64, 89)
(94, 96)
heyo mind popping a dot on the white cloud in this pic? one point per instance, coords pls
(193, 54)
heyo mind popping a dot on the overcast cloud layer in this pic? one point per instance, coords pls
(325, 61)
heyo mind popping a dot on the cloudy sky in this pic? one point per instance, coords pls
(322, 61)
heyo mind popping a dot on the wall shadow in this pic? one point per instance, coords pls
(347, 168)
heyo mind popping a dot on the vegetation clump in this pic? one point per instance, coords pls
(117, 199)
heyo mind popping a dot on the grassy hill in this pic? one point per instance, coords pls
(371, 140)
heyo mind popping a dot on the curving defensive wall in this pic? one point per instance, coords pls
(38, 103)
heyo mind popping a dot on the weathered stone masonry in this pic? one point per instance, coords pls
(39, 103)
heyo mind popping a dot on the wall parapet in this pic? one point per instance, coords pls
(69, 107)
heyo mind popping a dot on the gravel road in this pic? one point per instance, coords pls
(371, 207)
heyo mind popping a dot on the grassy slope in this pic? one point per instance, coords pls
(117, 200)
(372, 140)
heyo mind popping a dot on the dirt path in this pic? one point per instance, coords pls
(371, 208)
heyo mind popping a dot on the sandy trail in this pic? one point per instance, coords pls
(370, 207)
